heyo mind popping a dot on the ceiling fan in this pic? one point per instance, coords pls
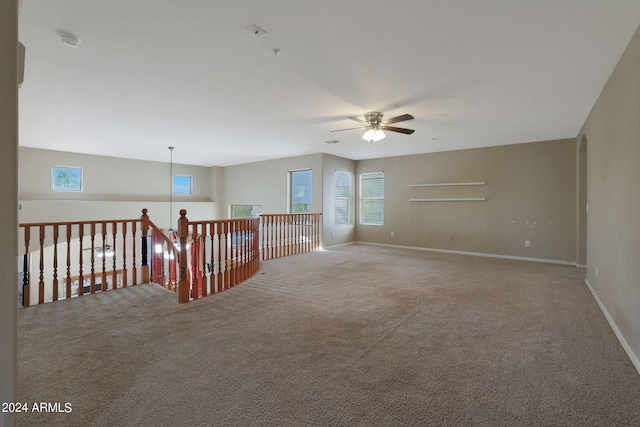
(375, 126)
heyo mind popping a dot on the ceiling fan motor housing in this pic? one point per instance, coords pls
(374, 119)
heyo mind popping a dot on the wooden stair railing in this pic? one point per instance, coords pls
(290, 234)
(75, 258)
(165, 258)
(85, 257)
(223, 254)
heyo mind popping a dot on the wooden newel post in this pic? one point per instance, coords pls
(145, 250)
(184, 287)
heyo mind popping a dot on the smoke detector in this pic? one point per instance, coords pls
(69, 40)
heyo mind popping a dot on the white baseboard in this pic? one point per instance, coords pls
(448, 251)
(338, 245)
(623, 342)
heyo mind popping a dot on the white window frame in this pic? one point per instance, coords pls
(173, 184)
(290, 189)
(256, 210)
(341, 199)
(363, 198)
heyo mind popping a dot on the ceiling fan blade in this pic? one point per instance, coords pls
(401, 130)
(340, 130)
(357, 119)
(401, 118)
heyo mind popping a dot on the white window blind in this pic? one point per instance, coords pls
(372, 198)
(344, 197)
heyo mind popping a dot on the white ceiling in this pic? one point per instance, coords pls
(152, 74)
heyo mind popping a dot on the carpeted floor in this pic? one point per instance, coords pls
(354, 336)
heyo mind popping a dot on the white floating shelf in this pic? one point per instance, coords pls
(452, 199)
(447, 184)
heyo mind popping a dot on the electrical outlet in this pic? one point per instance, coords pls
(393, 234)
(333, 235)
(527, 243)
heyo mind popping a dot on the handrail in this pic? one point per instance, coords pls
(46, 224)
(163, 262)
(164, 237)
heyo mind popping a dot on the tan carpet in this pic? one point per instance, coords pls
(359, 335)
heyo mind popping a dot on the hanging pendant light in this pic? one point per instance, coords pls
(168, 253)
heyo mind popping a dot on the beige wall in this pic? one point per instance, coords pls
(612, 131)
(333, 234)
(108, 178)
(265, 183)
(530, 195)
(9, 206)
(113, 188)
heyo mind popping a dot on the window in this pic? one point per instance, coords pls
(245, 211)
(372, 198)
(300, 191)
(66, 178)
(181, 184)
(344, 197)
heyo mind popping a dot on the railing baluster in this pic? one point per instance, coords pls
(281, 237)
(241, 252)
(295, 238)
(245, 245)
(68, 277)
(202, 245)
(134, 269)
(124, 254)
(290, 240)
(103, 277)
(271, 236)
(234, 252)
(41, 282)
(145, 249)
(26, 293)
(183, 231)
(300, 234)
(92, 286)
(220, 280)
(114, 273)
(80, 260)
(227, 252)
(212, 272)
(285, 225)
(55, 262)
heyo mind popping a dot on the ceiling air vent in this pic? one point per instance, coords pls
(257, 31)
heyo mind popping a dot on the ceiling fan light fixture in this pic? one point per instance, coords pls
(107, 253)
(373, 135)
